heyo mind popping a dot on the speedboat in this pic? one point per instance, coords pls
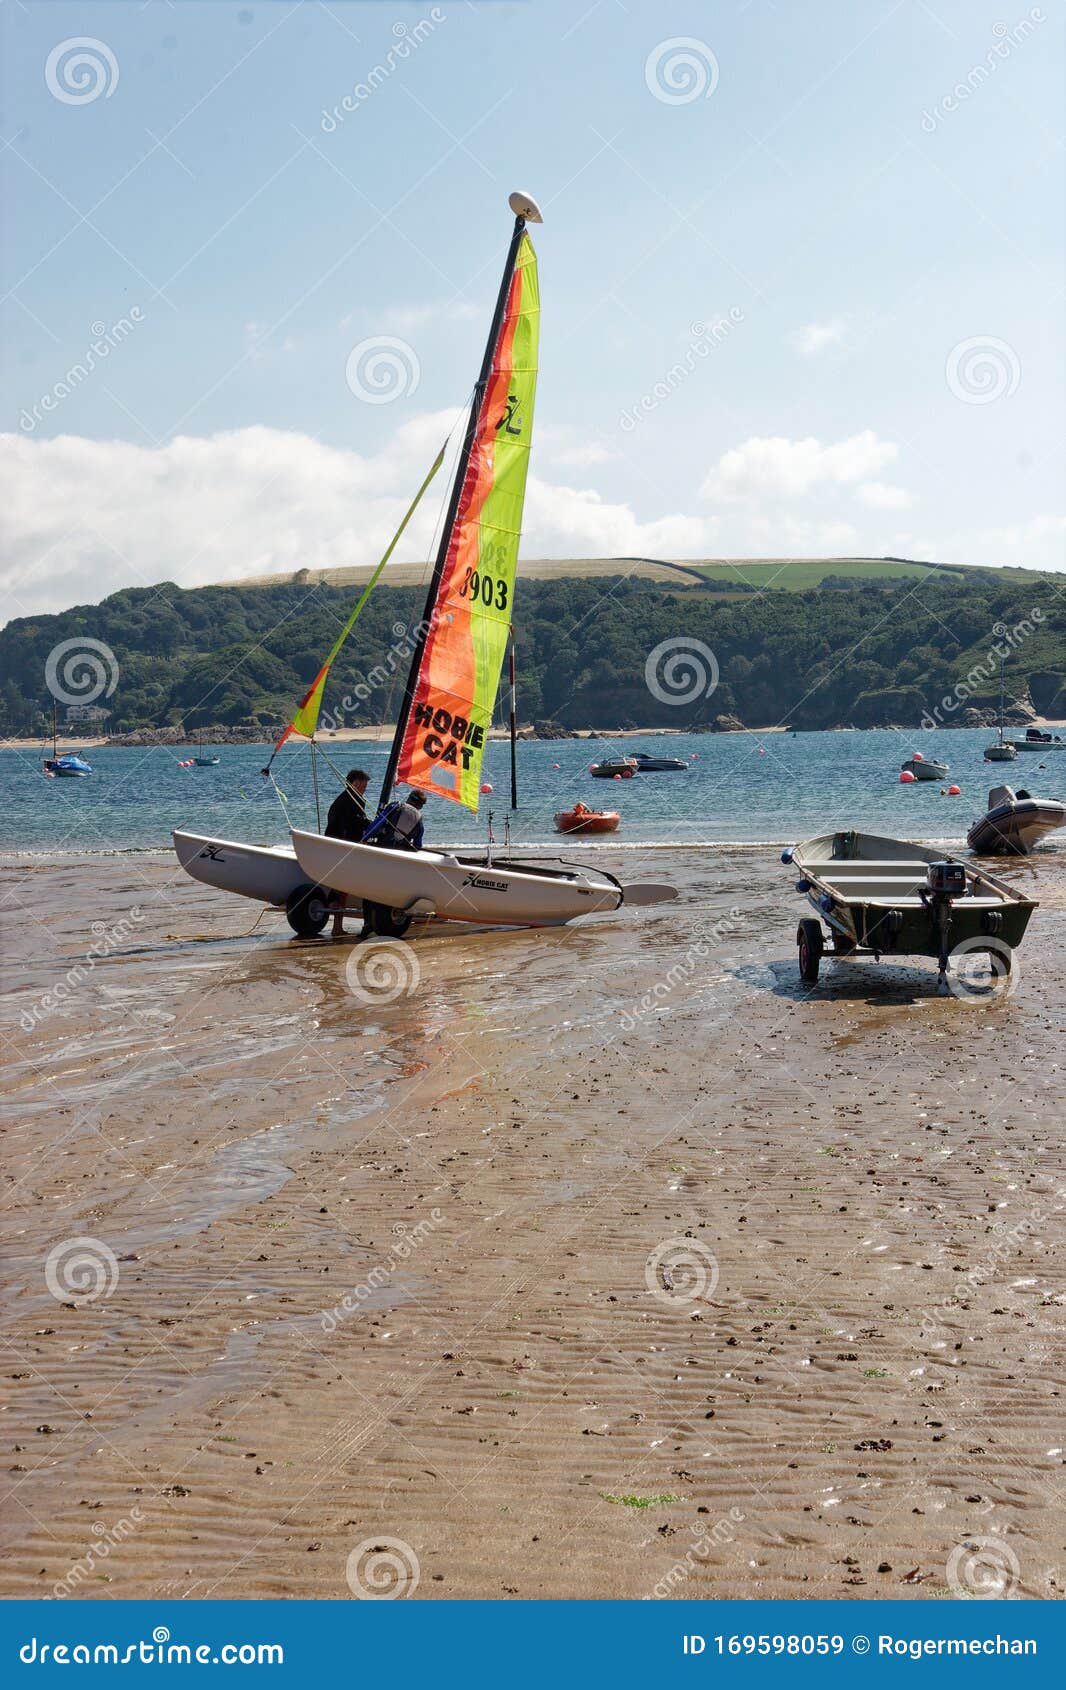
(583, 820)
(1014, 823)
(620, 768)
(885, 897)
(647, 765)
(924, 768)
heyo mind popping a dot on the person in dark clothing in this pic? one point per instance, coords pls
(347, 820)
(399, 827)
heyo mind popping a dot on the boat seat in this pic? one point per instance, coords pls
(907, 902)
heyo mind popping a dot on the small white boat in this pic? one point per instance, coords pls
(496, 891)
(1014, 823)
(1001, 751)
(924, 768)
(270, 874)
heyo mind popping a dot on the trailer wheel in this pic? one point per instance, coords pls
(811, 945)
(387, 923)
(308, 910)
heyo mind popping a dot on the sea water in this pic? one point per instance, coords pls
(736, 788)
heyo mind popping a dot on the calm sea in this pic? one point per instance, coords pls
(736, 788)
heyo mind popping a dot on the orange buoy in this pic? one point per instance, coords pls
(906, 778)
(556, 765)
(954, 791)
(486, 786)
(916, 757)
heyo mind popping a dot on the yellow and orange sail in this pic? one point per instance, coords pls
(452, 704)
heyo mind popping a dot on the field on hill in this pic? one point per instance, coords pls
(785, 574)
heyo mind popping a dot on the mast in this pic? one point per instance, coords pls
(525, 210)
(513, 725)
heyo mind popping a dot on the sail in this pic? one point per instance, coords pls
(455, 690)
(305, 717)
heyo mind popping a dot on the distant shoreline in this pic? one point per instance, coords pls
(370, 736)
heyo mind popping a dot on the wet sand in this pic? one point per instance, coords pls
(607, 1262)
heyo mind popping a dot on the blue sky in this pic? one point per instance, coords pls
(865, 198)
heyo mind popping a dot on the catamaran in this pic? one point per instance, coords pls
(450, 693)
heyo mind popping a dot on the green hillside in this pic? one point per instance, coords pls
(862, 650)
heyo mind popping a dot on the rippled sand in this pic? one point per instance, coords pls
(605, 1262)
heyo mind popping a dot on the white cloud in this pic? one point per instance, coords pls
(566, 522)
(775, 467)
(813, 338)
(85, 518)
(881, 496)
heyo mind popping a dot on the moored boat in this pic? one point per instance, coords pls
(648, 765)
(614, 768)
(886, 897)
(1013, 823)
(924, 768)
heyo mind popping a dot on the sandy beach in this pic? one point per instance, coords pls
(604, 1262)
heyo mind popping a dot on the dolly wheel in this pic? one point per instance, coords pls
(308, 910)
(389, 924)
(811, 945)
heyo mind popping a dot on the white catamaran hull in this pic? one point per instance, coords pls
(270, 874)
(502, 894)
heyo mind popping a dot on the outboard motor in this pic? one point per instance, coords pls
(944, 883)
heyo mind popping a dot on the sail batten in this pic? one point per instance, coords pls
(448, 714)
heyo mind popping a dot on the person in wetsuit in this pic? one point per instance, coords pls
(347, 820)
